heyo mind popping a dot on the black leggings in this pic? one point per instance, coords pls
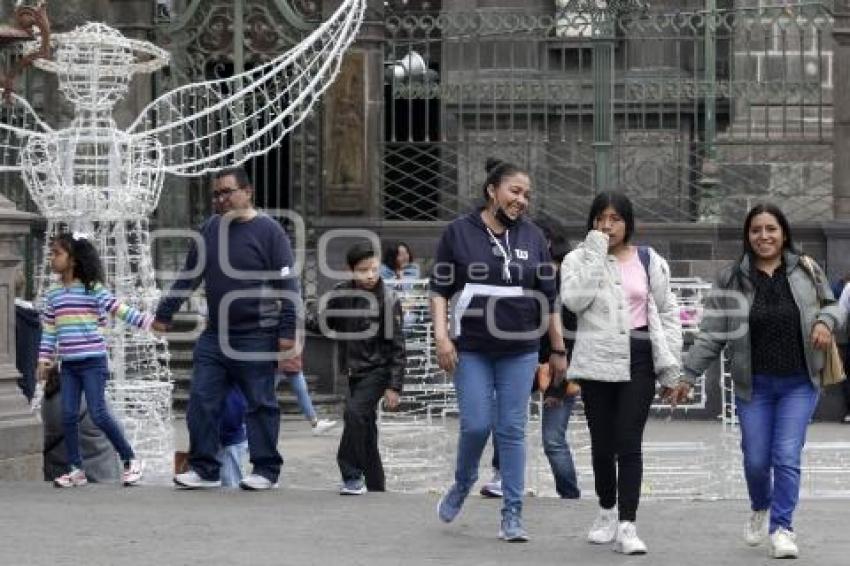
(616, 415)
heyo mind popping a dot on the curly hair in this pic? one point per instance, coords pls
(87, 265)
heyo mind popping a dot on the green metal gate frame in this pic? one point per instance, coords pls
(710, 108)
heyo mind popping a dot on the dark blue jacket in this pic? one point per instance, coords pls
(254, 260)
(467, 259)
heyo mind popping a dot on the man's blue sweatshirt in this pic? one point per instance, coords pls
(245, 266)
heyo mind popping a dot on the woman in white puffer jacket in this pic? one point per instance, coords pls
(628, 335)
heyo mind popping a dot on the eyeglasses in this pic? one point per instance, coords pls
(223, 193)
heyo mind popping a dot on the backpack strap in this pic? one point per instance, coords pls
(643, 254)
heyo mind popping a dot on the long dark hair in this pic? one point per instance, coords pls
(87, 265)
(497, 170)
(391, 254)
(619, 202)
(773, 210)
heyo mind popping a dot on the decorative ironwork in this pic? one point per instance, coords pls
(26, 18)
(459, 85)
(601, 6)
(206, 42)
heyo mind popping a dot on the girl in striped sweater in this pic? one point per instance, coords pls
(75, 312)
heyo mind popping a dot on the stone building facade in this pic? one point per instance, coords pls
(697, 109)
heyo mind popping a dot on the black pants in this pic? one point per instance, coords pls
(358, 448)
(616, 416)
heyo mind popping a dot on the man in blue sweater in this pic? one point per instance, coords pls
(246, 265)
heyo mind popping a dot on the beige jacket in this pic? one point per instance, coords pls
(592, 289)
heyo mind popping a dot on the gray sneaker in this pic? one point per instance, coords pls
(352, 487)
(512, 529)
(450, 504)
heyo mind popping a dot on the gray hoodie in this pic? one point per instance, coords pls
(725, 321)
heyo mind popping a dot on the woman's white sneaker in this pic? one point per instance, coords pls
(756, 528)
(783, 544)
(604, 528)
(627, 539)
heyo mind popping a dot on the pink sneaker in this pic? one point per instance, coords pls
(75, 478)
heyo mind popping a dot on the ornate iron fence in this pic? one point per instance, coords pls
(711, 107)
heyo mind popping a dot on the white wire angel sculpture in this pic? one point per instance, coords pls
(96, 178)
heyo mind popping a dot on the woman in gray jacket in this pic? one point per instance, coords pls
(628, 334)
(765, 310)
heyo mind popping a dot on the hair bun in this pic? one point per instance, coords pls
(491, 164)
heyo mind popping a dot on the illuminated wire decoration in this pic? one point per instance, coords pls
(97, 178)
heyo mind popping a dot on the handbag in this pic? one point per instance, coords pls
(833, 367)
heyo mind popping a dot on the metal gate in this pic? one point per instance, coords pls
(694, 108)
(210, 39)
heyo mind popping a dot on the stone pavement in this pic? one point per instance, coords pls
(306, 522)
(155, 525)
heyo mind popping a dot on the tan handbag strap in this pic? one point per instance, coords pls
(809, 266)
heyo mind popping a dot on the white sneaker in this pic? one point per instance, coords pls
(604, 528)
(756, 528)
(74, 478)
(256, 482)
(627, 539)
(191, 480)
(493, 488)
(783, 544)
(322, 426)
(132, 473)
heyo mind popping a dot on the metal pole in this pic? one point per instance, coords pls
(709, 201)
(603, 97)
(710, 48)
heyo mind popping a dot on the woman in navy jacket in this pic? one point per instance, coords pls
(494, 267)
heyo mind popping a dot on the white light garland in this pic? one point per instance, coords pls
(95, 179)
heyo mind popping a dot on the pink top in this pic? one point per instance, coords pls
(635, 289)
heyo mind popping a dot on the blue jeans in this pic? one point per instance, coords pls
(557, 450)
(231, 463)
(477, 377)
(298, 384)
(88, 375)
(212, 377)
(773, 432)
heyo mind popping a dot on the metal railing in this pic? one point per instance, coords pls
(694, 137)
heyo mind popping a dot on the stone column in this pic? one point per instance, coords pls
(20, 432)
(837, 236)
(353, 118)
(841, 109)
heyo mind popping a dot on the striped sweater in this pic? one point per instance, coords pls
(73, 319)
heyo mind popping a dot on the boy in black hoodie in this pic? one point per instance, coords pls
(365, 318)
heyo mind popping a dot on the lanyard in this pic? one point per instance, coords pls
(504, 250)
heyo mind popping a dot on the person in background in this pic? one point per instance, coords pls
(559, 398)
(842, 290)
(27, 337)
(291, 370)
(398, 265)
